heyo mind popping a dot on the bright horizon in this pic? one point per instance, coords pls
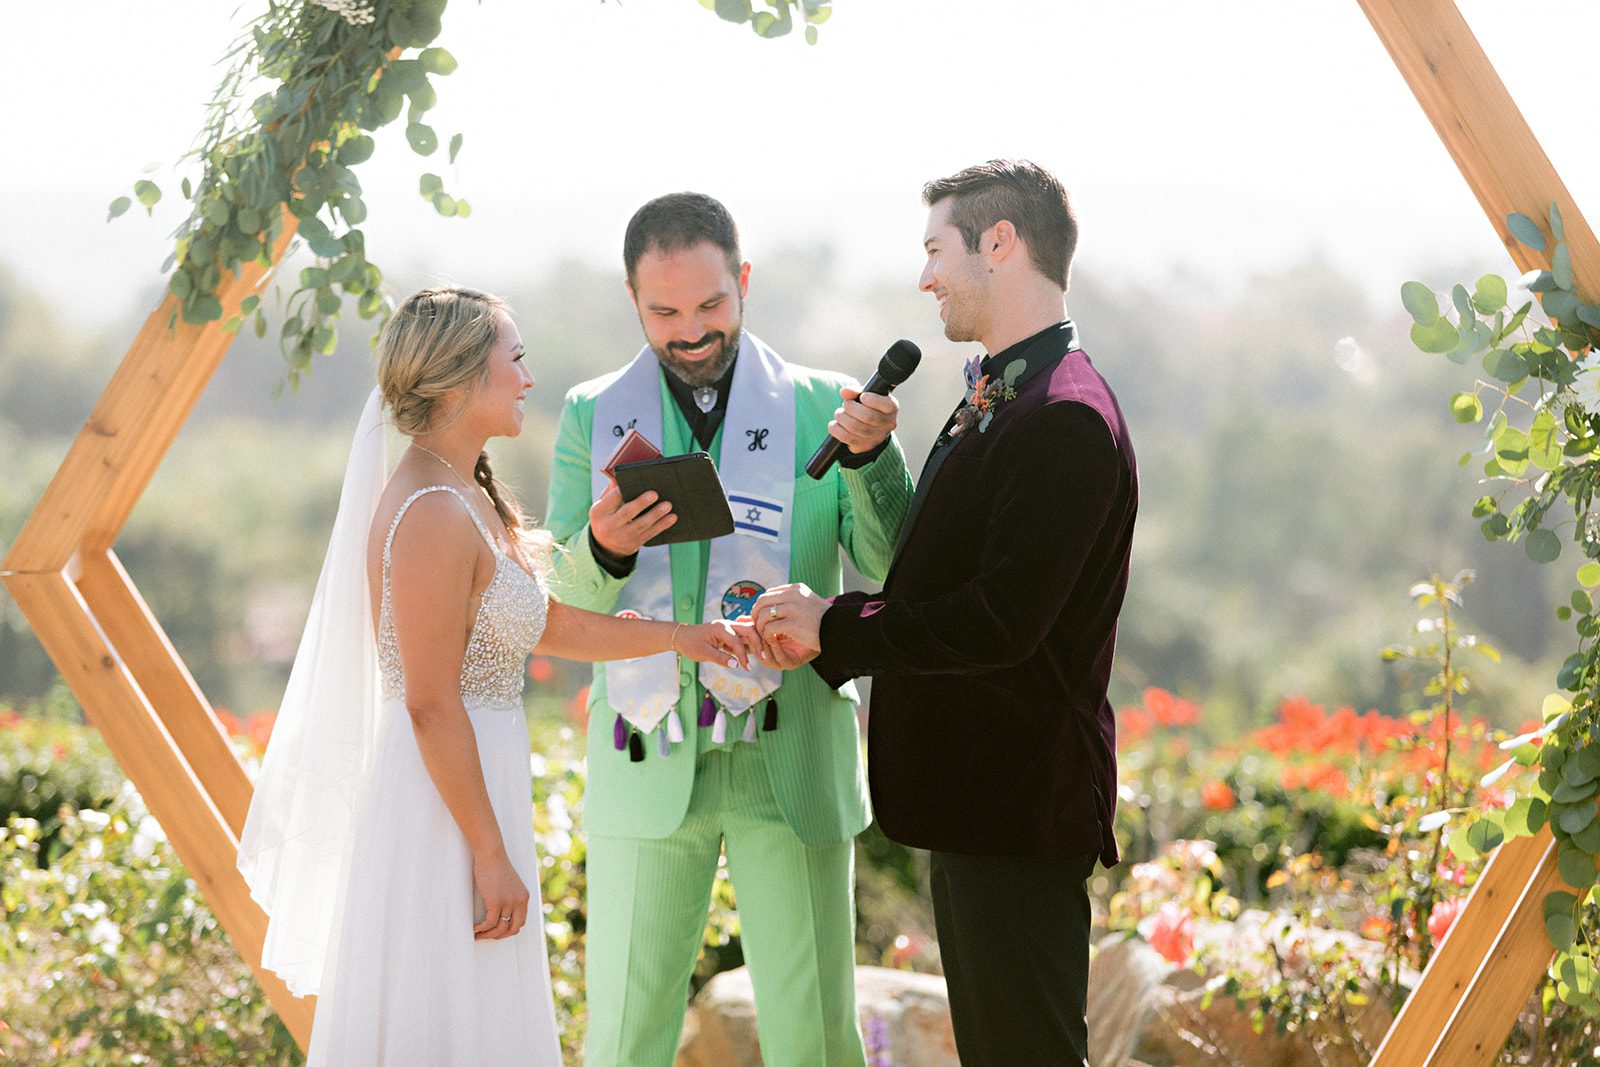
(1205, 143)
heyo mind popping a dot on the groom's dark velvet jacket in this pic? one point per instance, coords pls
(990, 646)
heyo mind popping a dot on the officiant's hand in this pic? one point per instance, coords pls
(864, 420)
(621, 527)
(789, 620)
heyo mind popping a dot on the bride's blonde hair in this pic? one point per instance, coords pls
(439, 340)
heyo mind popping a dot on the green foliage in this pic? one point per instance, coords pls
(779, 21)
(1544, 451)
(108, 956)
(335, 73)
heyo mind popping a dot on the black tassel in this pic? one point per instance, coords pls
(635, 747)
(770, 722)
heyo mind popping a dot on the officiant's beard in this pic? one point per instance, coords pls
(709, 369)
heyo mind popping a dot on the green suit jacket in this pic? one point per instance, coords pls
(814, 757)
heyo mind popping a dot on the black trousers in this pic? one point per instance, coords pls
(1014, 938)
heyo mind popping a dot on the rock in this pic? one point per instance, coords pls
(1125, 981)
(905, 1020)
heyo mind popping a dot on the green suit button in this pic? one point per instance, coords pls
(686, 604)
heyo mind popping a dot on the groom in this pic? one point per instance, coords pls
(990, 740)
(684, 764)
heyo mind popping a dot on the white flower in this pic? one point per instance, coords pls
(1586, 388)
(354, 12)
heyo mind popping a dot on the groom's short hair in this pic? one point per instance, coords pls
(1022, 193)
(678, 221)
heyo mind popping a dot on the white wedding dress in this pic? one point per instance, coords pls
(405, 983)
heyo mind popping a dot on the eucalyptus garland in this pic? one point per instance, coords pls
(340, 69)
(1541, 452)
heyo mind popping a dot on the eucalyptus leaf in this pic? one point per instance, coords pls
(1561, 919)
(1421, 302)
(1485, 835)
(1561, 265)
(1490, 294)
(1437, 337)
(455, 146)
(118, 206)
(1543, 546)
(422, 138)
(1502, 364)
(1526, 230)
(147, 193)
(1576, 866)
(1525, 816)
(1560, 305)
(1466, 407)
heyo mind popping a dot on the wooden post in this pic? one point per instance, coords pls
(1479, 979)
(96, 628)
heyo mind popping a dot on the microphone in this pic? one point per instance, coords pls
(895, 367)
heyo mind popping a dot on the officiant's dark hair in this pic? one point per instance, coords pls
(678, 221)
(1023, 194)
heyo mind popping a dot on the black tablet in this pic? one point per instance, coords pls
(690, 483)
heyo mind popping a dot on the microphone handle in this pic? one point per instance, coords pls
(831, 447)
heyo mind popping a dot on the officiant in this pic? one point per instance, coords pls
(684, 762)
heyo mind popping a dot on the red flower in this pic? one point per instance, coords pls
(1216, 795)
(1443, 917)
(1170, 931)
(230, 722)
(578, 710)
(541, 669)
(1376, 928)
(1168, 710)
(1133, 724)
(8, 719)
(259, 729)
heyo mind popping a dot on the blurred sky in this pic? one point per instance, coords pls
(1215, 138)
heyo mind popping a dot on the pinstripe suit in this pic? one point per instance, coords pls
(786, 807)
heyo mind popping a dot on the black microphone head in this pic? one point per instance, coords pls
(898, 363)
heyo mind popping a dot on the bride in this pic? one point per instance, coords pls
(390, 838)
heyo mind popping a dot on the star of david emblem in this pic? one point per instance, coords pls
(752, 515)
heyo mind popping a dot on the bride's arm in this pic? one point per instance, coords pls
(432, 583)
(573, 633)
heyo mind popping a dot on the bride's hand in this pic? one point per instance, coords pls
(503, 895)
(728, 643)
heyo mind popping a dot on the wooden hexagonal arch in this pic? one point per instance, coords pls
(135, 689)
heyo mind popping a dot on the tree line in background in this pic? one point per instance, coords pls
(1295, 475)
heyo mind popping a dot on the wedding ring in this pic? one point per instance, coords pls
(772, 612)
(505, 918)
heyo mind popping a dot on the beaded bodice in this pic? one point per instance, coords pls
(511, 619)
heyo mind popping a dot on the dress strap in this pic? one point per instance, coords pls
(471, 513)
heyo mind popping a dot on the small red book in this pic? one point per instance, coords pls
(633, 448)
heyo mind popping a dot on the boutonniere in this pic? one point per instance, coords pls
(985, 393)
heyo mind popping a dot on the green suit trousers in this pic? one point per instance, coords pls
(648, 899)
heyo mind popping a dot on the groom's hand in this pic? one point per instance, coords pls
(789, 620)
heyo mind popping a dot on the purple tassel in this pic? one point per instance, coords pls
(635, 747)
(719, 728)
(665, 745)
(708, 711)
(770, 722)
(619, 734)
(749, 726)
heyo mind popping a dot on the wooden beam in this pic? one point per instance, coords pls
(130, 429)
(142, 745)
(1482, 129)
(134, 632)
(1469, 996)
(1451, 980)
